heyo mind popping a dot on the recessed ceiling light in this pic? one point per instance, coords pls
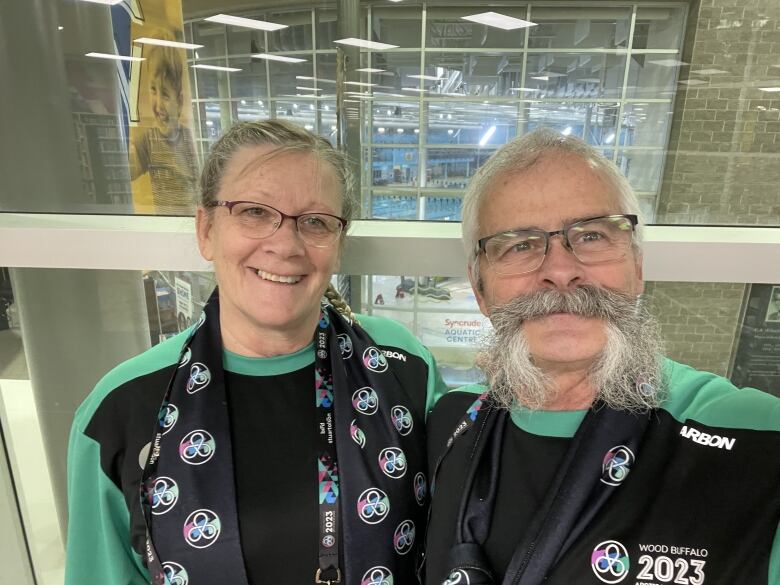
(317, 79)
(366, 44)
(110, 2)
(523, 89)
(60, 28)
(413, 89)
(541, 77)
(164, 43)
(668, 62)
(428, 77)
(709, 72)
(215, 67)
(770, 89)
(359, 83)
(245, 22)
(281, 58)
(308, 88)
(693, 82)
(114, 57)
(370, 70)
(498, 20)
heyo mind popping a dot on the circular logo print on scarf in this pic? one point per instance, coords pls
(373, 506)
(403, 537)
(168, 416)
(616, 465)
(459, 577)
(609, 562)
(328, 541)
(377, 576)
(322, 354)
(402, 419)
(185, 359)
(201, 529)
(200, 376)
(420, 488)
(374, 360)
(345, 345)
(197, 447)
(357, 434)
(175, 573)
(392, 462)
(163, 495)
(365, 400)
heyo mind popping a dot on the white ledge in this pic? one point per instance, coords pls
(672, 253)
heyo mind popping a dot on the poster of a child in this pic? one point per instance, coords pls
(162, 145)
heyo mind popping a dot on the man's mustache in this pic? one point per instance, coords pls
(586, 301)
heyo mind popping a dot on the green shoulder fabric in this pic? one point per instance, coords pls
(390, 333)
(471, 388)
(99, 523)
(155, 358)
(713, 400)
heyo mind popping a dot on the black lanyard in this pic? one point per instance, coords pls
(328, 570)
(465, 424)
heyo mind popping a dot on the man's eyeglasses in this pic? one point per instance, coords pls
(592, 241)
(257, 221)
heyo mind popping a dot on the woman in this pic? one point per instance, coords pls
(288, 447)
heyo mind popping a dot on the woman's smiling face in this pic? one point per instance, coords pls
(272, 284)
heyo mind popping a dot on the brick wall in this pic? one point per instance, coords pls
(698, 321)
(722, 165)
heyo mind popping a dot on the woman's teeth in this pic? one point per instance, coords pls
(278, 278)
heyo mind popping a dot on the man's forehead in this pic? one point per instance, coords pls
(536, 200)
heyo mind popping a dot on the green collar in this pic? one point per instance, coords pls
(269, 366)
(549, 423)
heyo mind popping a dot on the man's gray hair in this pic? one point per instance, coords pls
(520, 155)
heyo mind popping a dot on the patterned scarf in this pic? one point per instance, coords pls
(370, 476)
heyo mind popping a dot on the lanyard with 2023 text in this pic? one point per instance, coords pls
(328, 570)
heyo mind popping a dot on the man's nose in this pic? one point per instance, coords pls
(561, 269)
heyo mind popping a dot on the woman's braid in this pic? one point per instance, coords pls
(341, 305)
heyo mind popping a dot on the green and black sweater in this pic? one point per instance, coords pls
(701, 505)
(274, 435)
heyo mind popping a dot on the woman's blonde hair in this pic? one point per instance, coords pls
(288, 137)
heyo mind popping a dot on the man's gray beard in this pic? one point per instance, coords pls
(631, 356)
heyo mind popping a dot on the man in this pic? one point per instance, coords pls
(588, 458)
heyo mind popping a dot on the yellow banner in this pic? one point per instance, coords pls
(163, 162)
